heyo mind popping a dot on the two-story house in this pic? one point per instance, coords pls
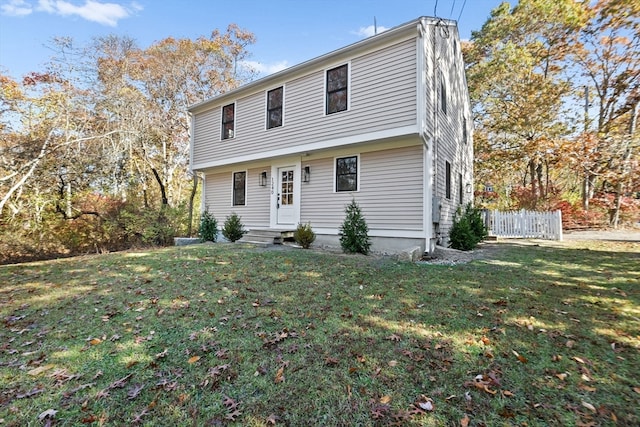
(385, 121)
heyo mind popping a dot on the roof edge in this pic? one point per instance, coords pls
(378, 38)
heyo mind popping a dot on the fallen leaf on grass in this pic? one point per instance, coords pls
(231, 416)
(385, 399)
(579, 360)
(134, 391)
(39, 369)
(272, 419)
(230, 403)
(120, 383)
(636, 389)
(279, 376)
(392, 363)
(521, 358)
(585, 387)
(193, 359)
(30, 393)
(424, 403)
(95, 341)
(393, 337)
(464, 422)
(89, 419)
(331, 361)
(49, 413)
(589, 406)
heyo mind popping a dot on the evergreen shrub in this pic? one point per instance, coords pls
(208, 230)
(233, 228)
(468, 229)
(354, 232)
(304, 235)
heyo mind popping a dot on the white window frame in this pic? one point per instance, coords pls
(324, 88)
(335, 173)
(266, 107)
(444, 95)
(233, 189)
(235, 121)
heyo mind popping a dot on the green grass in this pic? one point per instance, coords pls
(231, 334)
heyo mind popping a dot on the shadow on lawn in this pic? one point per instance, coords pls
(347, 332)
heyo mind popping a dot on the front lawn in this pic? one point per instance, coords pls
(232, 334)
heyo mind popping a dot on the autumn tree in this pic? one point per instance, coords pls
(106, 128)
(153, 88)
(514, 68)
(608, 56)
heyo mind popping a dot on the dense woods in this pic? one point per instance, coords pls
(94, 149)
(555, 86)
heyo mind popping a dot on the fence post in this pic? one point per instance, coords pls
(559, 224)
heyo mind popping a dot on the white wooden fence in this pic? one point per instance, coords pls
(525, 224)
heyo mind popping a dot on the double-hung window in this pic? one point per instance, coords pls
(443, 93)
(337, 89)
(347, 173)
(228, 121)
(239, 188)
(274, 107)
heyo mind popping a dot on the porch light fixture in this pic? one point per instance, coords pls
(306, 174)
(263, 179)
(468, 188)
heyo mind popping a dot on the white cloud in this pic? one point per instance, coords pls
(266, 69)
(94, 11)
(16, 8)
(369, 31)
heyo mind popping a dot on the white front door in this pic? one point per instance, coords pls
(286, 210)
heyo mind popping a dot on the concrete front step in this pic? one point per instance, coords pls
(266, 236)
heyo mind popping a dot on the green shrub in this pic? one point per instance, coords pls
(233, 229)
(468, 229)
(304, 235)
(208, 230)
(354, 232)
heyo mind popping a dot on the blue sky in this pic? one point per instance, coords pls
(287, 31)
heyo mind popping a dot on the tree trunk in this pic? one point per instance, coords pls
(192, 196)
(163, 190)
(614, 217)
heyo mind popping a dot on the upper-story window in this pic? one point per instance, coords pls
(443, 94)
(228, 121)
(337, 89)
(465, 132)
(274, 107)
(347, 173)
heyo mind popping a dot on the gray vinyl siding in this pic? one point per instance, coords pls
(382, 97)
(450, 146)
(218, 196)
(390, 196)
